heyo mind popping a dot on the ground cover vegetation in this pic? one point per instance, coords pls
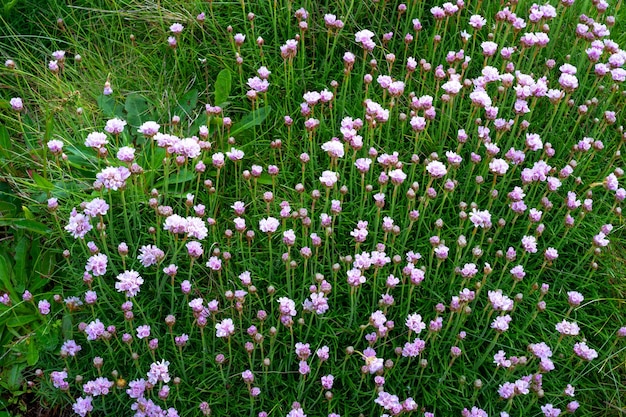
(322, 208)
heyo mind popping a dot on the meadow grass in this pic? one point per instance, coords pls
(316, 208)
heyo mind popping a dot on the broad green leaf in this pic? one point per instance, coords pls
(253, 119)
(32, 354)
(222, 86)
(30, 225)
(44, 266)
(49, 128)
(14, 379)
(28, 215)
(265, 179)
(66, 326)
(183, 176)
(136, 107)
(5, 141)
(42, 183)
(189, 101)
(21, 320)
(48, 337)
(7, 208)
(106, 104)
(21, 254)
(5, 274)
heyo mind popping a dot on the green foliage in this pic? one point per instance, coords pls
(125, 43)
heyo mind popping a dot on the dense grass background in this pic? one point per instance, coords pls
(125, 43)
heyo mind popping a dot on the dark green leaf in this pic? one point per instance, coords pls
(188, 102)
(136, 107)
(21, 254)
(14, 379)
(30, 225)
(5, 274)
(222, 87)
(32, 355)
(42, 183)
(107, 105)
(48, 337)
(21, 320)
(44, 265)
(5, 141)
(183, 176)
(253, 119)
(66, 326)
(7, 209)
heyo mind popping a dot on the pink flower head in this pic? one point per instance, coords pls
(17, 104)
(149, 128)
(568, 328)
(436, 169)
(225, 328)
(329, 178)
(269, 225)
(176, 28)
(129, 283)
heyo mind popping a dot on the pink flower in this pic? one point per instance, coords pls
(97, 265)
(436, 169)
(568, 328)
(329, 178)
(83, 406)
(113, 178)
(149, 128)
(574, 298)
(225, 328)
(17, 104)
(214, 263)
(269, 225)
(129, 282)
(159, 371)
(115, 126)
(96, 140)
(529, 243)
(44, 307)
(176, 28)
(150, 255)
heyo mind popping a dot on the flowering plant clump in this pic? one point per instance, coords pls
(318, 209)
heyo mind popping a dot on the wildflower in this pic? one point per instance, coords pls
(113, 178)
(214, 263)
(585, 352)
(150, 255)
(129, 282)
(96, 140)
(143, 331)
(44, 307)
(436, 169)
(318, 303)
(115, 126)
(549, 410)
(149, 128)
(83, 406)
(529, 243)
(159, 371)
(94, 330)
(225, 328)
(480, 219)
(498, 166)
(97, 264)
(501, 323)
(568, 328)
(70, 348)
(269, 225)
(574, 298)
(334, 148)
